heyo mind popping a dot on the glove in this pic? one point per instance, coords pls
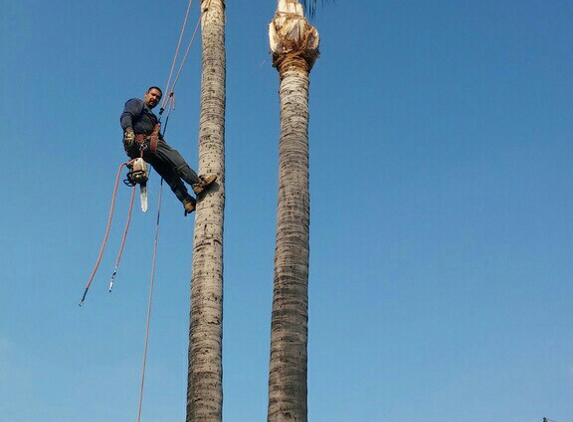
(128, 136)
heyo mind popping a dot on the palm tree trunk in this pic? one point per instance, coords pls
(294, 44)
(205, 373)
(287, 378)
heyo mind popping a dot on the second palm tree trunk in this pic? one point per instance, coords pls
(293, 56)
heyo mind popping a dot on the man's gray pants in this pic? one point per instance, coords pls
(169, 164)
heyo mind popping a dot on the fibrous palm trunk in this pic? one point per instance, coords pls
(204, 388)
(294, 44)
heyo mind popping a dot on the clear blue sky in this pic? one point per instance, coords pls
(441, 212)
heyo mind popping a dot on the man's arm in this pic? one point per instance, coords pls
(132, 109)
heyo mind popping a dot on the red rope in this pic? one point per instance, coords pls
(177, 51)
(186, 54)
(106, 233)
(129, 212)
(168, 100)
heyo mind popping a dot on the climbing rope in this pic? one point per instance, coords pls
(177, 49)
(169, 89)
(169, 102)
(186, 54)
(106, 233)
(123, 238)
(149, 303)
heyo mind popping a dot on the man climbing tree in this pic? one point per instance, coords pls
(142, 138)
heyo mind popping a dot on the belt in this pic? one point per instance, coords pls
(141, 138)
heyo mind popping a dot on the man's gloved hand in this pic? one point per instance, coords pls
(128, 136)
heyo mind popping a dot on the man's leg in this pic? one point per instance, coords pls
(171, 178)
(171, 157)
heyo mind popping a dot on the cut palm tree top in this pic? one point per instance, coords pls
(292, 37)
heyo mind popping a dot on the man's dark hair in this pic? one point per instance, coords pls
(157, 88)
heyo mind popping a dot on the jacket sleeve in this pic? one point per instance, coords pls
(131, 110)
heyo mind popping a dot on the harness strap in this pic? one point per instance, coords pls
(141, 138)
(154, 138)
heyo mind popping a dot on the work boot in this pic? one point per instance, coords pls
(204, 182)
(189, 205)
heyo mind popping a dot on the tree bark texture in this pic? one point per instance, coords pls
(205, 372)
(289, 332)
(294, 46)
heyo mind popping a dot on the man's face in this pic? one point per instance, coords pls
(152, 97)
